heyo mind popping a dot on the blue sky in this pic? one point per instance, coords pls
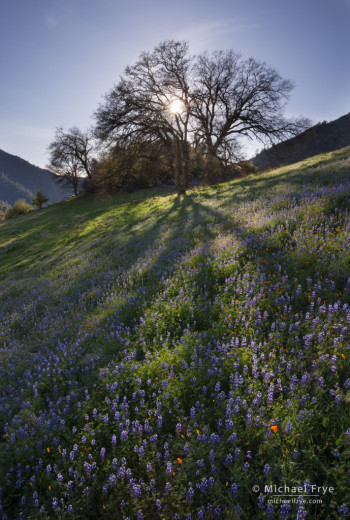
(59, 57)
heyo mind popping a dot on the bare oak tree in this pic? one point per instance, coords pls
(152, 103)
(71, 156)
(208, 102)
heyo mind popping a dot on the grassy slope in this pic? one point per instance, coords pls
(210, 311)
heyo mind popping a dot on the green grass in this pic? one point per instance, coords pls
(77, 224)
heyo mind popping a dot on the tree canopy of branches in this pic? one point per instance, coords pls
(207, 101)
(130, 167)
(71, 157)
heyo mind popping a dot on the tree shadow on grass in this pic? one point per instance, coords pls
(115, 245)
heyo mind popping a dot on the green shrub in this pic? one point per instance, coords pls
(39, 199)
(20, 207)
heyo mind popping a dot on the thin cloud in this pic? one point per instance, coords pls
(203, 35)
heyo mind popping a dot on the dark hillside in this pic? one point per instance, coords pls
(321, 138)
(19, 179)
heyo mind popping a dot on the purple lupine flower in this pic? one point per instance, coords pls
(55, 506)
(234, 489)
(112, 481)
(266, 469)
(228, 459)
(136, 490)
(201, 513)
(336, 454)
(334, 364)
(261, 500)
(269, 511)
(285, 509)
(301, 514)
(190, 495)
(288, 428)
(301, 416)
(270, 392)
(343, 510)
(248, 419)
(214, 439)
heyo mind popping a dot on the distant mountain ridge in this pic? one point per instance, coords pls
(19, 179)
(321, 138)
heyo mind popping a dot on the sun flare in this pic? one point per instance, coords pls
(176, 106)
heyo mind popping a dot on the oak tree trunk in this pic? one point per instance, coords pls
(181, 166)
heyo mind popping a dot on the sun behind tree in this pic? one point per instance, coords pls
(176, 106)
(210, 102)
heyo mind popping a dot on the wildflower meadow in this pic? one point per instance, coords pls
(180, 358)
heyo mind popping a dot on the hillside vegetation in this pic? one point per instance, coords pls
(168, 358)
(320, 138)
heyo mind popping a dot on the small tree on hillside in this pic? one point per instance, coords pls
(39, 199)
(72, 144)
(71, 157)
(67, 175)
